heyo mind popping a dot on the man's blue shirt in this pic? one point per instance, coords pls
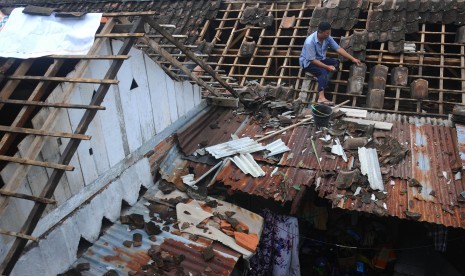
(313, 49)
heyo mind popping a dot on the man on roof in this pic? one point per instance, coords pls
(313, 58)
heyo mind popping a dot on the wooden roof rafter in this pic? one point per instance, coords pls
(62, 101)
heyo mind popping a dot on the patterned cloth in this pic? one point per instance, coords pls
(277, 253)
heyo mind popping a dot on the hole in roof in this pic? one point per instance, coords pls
(106, 224)
(134, 84)
(124, 206)
(82, 247)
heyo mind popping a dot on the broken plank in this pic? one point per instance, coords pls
(36, 163)
(43, 133)
(377, 124)
(28, 197)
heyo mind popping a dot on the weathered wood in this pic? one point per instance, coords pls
(118, 35)
(28, 197)
(124, 14)
(43, 133)
(191, 55)
(36, 163)
(56, 105)
(88, 57)
(11, 85)
(63, 79)
(26, 111)
(18, 235)
(28, 227)
(156, 47)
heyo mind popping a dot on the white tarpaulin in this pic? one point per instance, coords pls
(31, 36)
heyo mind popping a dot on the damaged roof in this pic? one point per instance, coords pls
(109, 253)
(432, 159)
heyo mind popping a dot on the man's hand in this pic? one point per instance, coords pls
(331, 68)
(356, 61)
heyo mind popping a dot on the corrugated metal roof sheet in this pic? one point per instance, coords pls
(433, 146)
(461, 142)
(241, 145)
(398, 201)
(277, 184)
(108, 252)
(248, 165)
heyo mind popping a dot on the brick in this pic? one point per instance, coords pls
(399, 76)
(419, 89)
(355, 85)
(395, 47)
(375, 98)
(460, 35)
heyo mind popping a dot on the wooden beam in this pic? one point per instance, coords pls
(28, 227)
(441, 72)
(88, 57)
(55, 105)
(125, 14)
(118, 35)
(11, 85)
(18, 235)
(28, 197)
(63, 79)
(36, 163)
(191, 55)
(36, 145)
(156, 47)
(39, 132)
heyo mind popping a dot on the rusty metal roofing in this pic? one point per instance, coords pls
(279, 183)
(461, 142)
(433, 160)
(108, 252)
(399, 199)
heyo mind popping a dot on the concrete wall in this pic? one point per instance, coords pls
(142, 109)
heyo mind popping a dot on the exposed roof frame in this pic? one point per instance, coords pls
(22, 237)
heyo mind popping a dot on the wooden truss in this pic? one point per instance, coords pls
(109, 30)
(437, 59)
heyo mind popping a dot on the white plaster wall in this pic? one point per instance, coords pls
(133, 120)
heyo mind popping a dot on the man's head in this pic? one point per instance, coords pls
(324, 30)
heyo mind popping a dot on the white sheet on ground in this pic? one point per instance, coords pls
(30, 36)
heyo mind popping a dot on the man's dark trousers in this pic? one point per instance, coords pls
(321, 73)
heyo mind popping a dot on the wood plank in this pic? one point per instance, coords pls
(88, 57)
(36, 163)
(18, 235)
(62, 79)
(28, 197)
(118, 35)
(420, 69)
(190, 54)
(47, 104)
(462, 71)
(156, 47)
(11, 85)
(43, 133)
(441, 72)
(23, 116)
(18, 245)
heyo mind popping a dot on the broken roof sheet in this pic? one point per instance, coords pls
(435, 150)
(108, 252)
(399, 198)
(279, 183)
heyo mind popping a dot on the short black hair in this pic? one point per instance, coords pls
(324, 26)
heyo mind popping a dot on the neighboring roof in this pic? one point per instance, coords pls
(433, 160)
(108, 252)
